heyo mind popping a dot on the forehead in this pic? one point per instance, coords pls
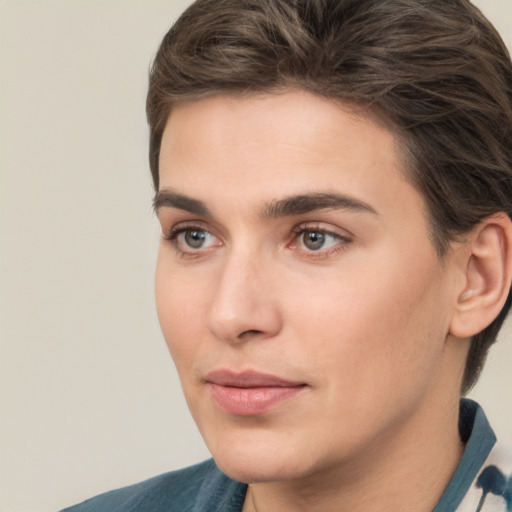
(294, 126)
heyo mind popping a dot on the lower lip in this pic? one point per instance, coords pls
(251, 401)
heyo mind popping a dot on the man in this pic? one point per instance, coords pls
(334, 184)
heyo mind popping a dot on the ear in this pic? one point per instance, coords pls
(488, 275)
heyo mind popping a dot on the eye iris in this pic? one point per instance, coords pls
(195, 238)
(314, 240)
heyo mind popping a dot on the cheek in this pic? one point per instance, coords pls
(179, 312)
(373, 329)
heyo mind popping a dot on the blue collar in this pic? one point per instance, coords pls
(479, 437)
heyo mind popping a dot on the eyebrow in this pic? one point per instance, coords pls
(305, 203)
(288, 206)
(169, 199)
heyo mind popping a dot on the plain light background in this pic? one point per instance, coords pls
(89, 399)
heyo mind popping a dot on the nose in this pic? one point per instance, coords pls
(244, 305)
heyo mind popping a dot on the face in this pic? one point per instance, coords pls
(297, 287)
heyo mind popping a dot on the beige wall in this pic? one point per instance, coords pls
(88, 396)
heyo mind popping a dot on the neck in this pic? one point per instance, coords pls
(408, 470)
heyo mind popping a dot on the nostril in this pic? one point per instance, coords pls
(249, 333)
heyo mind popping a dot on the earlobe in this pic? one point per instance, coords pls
(488, 275)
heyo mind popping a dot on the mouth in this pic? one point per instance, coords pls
(250, 393)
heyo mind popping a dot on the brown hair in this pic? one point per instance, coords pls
(435, 70)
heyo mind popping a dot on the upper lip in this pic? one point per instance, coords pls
(248, 379)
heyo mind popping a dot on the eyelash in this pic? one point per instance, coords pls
(297, 232)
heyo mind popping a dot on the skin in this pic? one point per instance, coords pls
(363, 322)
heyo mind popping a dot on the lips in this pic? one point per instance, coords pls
(250, 393)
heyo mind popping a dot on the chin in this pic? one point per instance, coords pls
(254, 460)
(259, 471)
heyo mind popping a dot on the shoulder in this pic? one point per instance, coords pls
(181, 490)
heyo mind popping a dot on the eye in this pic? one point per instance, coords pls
(318, 240)
(314, 240)
(192, 239)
